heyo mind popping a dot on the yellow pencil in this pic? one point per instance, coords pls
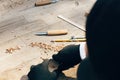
(69, 40)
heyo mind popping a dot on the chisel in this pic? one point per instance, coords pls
(52, 33)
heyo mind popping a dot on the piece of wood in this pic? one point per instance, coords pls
(71, 22)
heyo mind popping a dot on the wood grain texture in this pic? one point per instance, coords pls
(17, 28)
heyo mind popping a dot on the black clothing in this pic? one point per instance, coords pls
(103, 41)
(41, 72)
(102, 27)
(67, 57)
(86, 71)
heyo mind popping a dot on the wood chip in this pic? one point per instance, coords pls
(11, 50)
(86, 14)
(46, 47)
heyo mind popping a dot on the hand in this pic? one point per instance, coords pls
(67, 57)
(43, 71)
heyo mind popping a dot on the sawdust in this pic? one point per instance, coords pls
(47, 47)
(11, 50)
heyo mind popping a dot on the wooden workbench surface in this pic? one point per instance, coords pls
(17, 28)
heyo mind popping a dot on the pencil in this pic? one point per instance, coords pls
(69, 40)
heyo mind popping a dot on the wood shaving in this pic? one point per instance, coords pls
(86, 14)
(47, 47)
(11, 50)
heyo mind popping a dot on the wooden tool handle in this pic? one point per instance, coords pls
(42, 2)
(57, 32)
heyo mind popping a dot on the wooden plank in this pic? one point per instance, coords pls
(12, 22)
(7, 27)
(19, 28)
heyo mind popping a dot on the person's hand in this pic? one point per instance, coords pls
(67, 57)
(43, 71)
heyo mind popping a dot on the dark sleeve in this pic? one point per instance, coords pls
(67, 57)
(86, 71)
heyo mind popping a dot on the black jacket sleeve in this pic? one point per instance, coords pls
(67, 57)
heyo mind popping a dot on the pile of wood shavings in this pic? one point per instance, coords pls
(47, 47)
(11, 50)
